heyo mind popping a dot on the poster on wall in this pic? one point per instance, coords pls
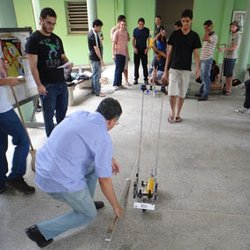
(12, 50)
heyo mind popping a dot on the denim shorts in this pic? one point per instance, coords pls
(229, 66)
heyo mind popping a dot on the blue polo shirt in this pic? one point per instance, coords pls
(80, 140)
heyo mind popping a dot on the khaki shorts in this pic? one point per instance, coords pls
(178, 82)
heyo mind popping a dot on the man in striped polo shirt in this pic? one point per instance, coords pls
(206, 59)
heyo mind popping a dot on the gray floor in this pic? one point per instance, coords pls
(203, 174)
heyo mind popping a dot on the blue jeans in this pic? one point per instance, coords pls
(55, 102)
(11, 125)
(96, 75)
(84, 210)
(206, 66)
(119, 67)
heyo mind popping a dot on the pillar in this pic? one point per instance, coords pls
(92, 12)
(36, 12)
(244, 50)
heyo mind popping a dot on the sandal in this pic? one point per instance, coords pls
(178, 119)
(227, 93)
(171, 119)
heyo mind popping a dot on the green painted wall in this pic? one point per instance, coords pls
(24, 13)
(7, 14)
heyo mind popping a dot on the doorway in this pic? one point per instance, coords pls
(170, 11)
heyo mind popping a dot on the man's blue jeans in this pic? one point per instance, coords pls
(55, 102)
(119, 67)
(84, 210)
(205, 76)
(11, 125)
(96, 75)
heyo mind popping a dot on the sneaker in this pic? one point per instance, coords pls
(34, 234)
(122, 87)
(115, 88)
(100, 95)
(202, 98)
(20, 185)
(3, 189)
(135, 82)
(128, 84)
(146, 82)
(99, 204)
(242, 110)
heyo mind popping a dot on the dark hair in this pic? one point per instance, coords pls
(47, 12)
(208, 23)
(187, 13)
(236, 24)
(97, 22)
(158, 16)
(121, 18)
(178, 24)
(109, 108)
(141, 19)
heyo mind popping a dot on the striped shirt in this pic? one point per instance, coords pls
(208, 47)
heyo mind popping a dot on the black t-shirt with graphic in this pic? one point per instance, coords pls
(183, 46)
(49, 50)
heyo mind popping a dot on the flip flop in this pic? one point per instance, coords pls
(171, 119)
(178, 119)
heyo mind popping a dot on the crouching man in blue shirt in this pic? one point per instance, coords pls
(77, 153)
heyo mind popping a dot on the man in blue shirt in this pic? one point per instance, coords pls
(140, 44)
(78, 151)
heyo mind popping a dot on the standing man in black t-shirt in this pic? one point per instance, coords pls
(140, 44)
(95, 56)
(181, 45)
(45, 54)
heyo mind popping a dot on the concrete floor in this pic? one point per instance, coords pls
(203, 175)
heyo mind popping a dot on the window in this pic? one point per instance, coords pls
(77, 17)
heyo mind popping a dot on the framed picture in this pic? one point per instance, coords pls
(239, 16)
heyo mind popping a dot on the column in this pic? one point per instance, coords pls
(244, 50)
(92, 12)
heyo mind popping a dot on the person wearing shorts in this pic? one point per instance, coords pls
(231, 55)
(181, 45)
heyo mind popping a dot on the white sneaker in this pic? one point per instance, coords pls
(242, 110)
(115, 88)
(128, 84)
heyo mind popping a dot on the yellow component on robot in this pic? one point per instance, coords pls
(150, 185)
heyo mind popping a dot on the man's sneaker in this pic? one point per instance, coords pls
(242, 110)
(202, 98)
(115, 88)
(3, 189)
(99, 204)
(20, 185)
(146, 82)
(122, 87)
(135, 82)
(34, 234)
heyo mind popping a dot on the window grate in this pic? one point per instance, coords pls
(77, 17)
